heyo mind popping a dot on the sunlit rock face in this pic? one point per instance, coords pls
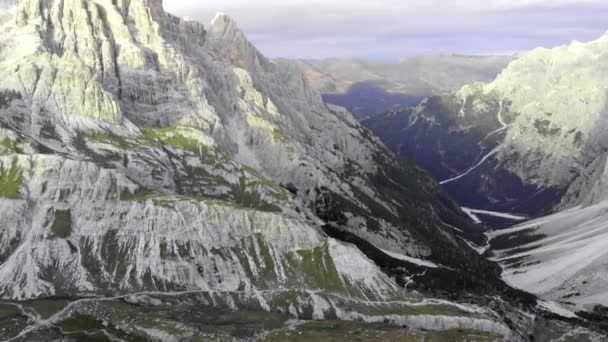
(558, 114)
(542, 120)
(141, 151)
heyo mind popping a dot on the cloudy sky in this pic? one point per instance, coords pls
(391, 29)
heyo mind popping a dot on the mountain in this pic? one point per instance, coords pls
(367, 88)
(533, 141)
(530, 141)
(160, 180)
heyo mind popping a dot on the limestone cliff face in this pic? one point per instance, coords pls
(556, 116)
(143, 152)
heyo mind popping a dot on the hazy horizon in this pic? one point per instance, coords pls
(390, 30)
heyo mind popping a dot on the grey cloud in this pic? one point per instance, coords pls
(391, 29)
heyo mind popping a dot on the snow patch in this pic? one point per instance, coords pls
(486, 157)
(556, 309)
(566, 259)
(419, 262)
(473, 215)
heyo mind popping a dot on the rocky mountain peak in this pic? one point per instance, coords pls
(604, 37)
(229, 39)
(153, 7)
(224, 27)
(156, 6)
(225, 23)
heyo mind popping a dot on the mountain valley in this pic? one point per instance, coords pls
(530, 143)
(369, 88)
(161, 180)
(507, 147)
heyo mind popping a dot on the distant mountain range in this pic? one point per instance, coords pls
(367, 88)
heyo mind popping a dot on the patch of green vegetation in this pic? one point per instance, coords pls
(171, 328)
(48, 131)
(181, 249)
(265, 262)
(316, 268)
(407, 310)
(200, 177)
(157, 133)
(81, 323)
(172, 137)
(267, 319)
(80, 142)
(94, 337)
(286, 301)
(12, 322)
(115, 257)
(246, 197)
(276, 191)
(268, 262)
(168, 203)
(342, 331)
(10, 181)
(62, 224)
(244, 262)
(238, 325)
(175, 137)
(111, 139)
(180, 317)
(279, 136)
(245, 194)
(213, 202)
(141, 195)
(8, 311)
(307, 268)
(47, 307)
(7, 145)
(8, 96)
(87, 326)
(10, 145)
(119, 311)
